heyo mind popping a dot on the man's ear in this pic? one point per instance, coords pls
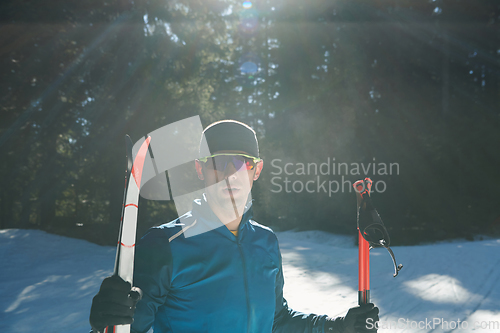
(199, 169)
(258, 169)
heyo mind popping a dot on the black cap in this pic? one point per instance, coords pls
(229, 135)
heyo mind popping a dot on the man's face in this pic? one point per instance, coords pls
(226, 186)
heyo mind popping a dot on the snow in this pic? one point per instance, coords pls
(47, 282)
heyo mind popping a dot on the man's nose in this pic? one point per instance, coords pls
(230, 170)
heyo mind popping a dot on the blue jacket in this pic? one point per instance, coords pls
(214, 281)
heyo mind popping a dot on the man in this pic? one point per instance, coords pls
(214, 269)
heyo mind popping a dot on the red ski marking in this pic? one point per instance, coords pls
(131, 205)
(139, 162)
(129, 246)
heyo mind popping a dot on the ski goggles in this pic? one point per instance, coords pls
(220, 162)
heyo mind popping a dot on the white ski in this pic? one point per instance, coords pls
(124, 262)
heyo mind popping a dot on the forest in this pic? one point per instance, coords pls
(406, 92)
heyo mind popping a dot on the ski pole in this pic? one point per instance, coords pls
(363, 189)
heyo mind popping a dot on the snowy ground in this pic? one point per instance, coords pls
(47, 282)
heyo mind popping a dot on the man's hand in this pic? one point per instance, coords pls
(114, 304)
(361, 319)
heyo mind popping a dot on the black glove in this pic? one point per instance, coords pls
(361, 319)
(114, 304)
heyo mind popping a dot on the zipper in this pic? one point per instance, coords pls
(246, 283)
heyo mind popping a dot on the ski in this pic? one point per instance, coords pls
(124, 261)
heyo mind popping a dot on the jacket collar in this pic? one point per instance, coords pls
(203, 212)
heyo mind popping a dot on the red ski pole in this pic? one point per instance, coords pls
(362, 189)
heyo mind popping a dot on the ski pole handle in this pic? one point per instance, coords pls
(362, 189)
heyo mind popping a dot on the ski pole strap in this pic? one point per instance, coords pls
(363, 187)
(397, 267)
(370, 225)
(369, 222)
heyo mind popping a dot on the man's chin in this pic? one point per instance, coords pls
(230, 201)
